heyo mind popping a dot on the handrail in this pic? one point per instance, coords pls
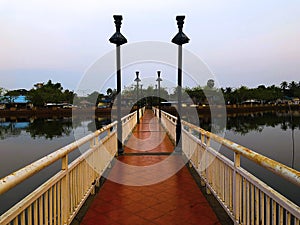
(60, 198)
(169, 115)
(245, 198)
(280, 169)
(22, 174)
(169, 122)
(125, 118)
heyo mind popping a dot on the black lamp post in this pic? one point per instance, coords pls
(118, 39)
(142, 97)
(137, 80)
(156, 98)
(179, 39)
(159, 105)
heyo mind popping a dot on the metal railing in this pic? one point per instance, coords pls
(245, 198)
(168, 121)
(58, 200)
(129, 122)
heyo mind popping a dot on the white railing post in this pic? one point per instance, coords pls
(65, 195)
(209, 164)
(236, 186)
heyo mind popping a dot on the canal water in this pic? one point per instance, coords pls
(24, 140)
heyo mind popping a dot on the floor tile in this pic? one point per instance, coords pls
(171, 196)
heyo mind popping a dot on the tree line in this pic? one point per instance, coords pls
(265, 94)
(41, 94)
(51, 92)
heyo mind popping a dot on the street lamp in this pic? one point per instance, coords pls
(142, 97)
(179, 39)
(155, 98)
(118, 39)
(159, 80)
(137, 80)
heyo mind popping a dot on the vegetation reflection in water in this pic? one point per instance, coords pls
(48, 128)
(243, 123)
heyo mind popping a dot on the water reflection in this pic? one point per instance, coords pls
(56, 127)
(246, 122)
(25, 140)
(273, 134)
(48, 128)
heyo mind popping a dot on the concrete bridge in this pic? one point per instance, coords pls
(151, 183)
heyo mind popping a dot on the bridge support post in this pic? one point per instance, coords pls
(118, 39)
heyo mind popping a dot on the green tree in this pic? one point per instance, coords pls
(94, 97)
(196, 94)
(292, 89)
(50, 93)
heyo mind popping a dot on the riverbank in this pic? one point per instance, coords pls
(45, 112)
(230, 109)
(233, 109)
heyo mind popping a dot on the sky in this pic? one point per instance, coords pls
(243, 42)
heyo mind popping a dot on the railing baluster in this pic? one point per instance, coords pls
(16, 221)
(231, 189)
(287, 217)
(23, 217)
(55, 203)
(248, 185)
(236, 187)
(274, 212)
(262, 208)
(244, 201)
(46, 208)
(29, 215)
(41, 211)
(35, 212)
(252, 203)
(65, 191)
(51, 205)
(280, 215)
(257, 206)
(268, 206)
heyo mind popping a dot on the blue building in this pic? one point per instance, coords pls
(14, 102)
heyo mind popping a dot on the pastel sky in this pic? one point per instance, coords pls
(243, 42)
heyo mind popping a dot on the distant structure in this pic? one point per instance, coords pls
(14, 102)
(39, 85)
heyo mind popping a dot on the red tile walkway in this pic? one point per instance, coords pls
(168, 197)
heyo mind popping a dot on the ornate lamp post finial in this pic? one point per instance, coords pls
(117, 37)
(180, 38)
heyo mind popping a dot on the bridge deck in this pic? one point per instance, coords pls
(153, 187)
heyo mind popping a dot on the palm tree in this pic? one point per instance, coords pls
(292, 88)
(284, 85)
(228, 90)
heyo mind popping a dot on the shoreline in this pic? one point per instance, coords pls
(230, 109)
